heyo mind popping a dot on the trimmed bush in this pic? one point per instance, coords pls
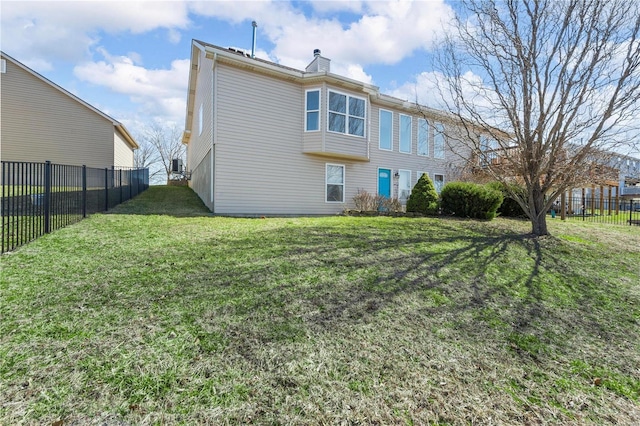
(423, 198)
(509, 206)
(470, 200)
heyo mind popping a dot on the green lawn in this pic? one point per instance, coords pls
(159, 313)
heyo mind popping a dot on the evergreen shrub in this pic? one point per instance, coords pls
(465, 199)
(423, 198)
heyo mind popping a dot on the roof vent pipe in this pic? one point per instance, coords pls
(316, 52)
(254, 24)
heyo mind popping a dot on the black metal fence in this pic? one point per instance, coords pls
(603, 210)
(38, 198)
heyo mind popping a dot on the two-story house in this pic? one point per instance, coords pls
(42, 121)
(266, 139)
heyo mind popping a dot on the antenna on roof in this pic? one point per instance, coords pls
(254, 24)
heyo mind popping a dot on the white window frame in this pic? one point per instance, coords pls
(407, 173)
(419, 175)
(438, 190)
(401, 133)
(200, 118)
(380, 130)
(3, 66)
(307, 111)
(326, 184)
(426, 134)
(438, 130)
(346, 115)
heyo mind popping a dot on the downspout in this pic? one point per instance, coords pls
(214, 127)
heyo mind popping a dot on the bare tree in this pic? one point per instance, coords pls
(146, 157)
(165, 144)
(544, 90)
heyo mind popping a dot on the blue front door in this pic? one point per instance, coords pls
(384, 182)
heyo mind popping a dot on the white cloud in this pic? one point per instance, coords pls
(353, 71)
(159, 92)
(329, 6)
(424, 89)
(67, 30)
(387, 32)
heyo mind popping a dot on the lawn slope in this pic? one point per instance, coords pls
(159, 313)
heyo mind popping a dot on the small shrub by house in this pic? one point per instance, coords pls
(465, 199)
(423, 198)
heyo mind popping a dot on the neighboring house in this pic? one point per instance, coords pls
(42, 121)
(268, 139)
(628, 175)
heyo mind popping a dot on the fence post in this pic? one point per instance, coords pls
(106, 189)
(120, 183)
(84, 191)
(630, 212)
(47, 197)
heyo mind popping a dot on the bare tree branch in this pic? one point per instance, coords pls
(165, 143)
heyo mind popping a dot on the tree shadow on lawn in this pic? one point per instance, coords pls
(319, 279)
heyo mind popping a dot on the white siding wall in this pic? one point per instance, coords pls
(200, 144)
(199, 149)
(260, 166)
(41, 123)
(123, 153)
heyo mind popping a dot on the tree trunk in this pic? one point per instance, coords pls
(539, 216)
(539, 226)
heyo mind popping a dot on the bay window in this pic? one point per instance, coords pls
(346, 114)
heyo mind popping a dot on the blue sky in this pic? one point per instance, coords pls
(130, 59)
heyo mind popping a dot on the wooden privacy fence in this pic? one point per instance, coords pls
(38, 198)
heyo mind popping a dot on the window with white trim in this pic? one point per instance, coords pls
(404, 184)
(312, 108)
(200, 120)
(3, 66)
(438, 182)
(346, 114)
(405, 134)
(419, 175)
(334, 182)
(438, 140)
(423, 137)
(386, 130)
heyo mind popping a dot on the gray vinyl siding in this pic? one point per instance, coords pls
(40, 122)
(396, 160)
(201, 181)
(260, 166)
(259, 160)
(264, 163)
